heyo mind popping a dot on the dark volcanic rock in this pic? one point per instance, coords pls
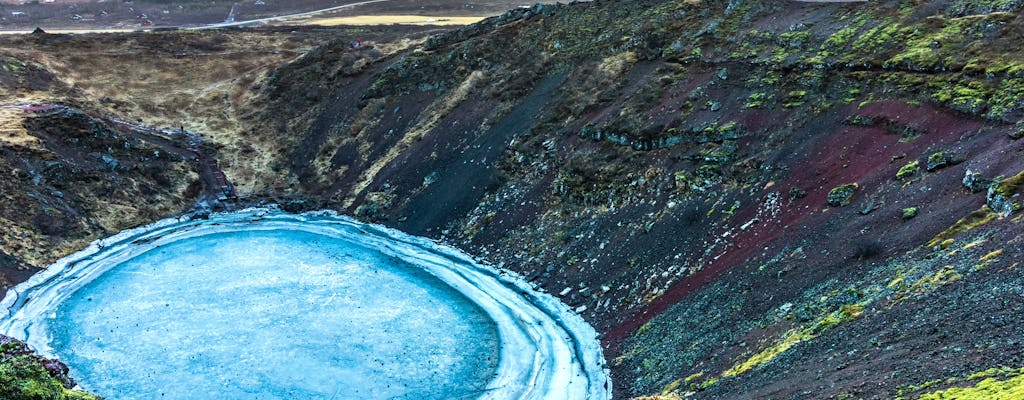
(974, 182)
(12, 271)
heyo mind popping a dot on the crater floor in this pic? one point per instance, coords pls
(251, 306)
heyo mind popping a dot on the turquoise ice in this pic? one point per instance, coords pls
(273, 315)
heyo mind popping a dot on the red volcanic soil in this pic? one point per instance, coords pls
(838, 154)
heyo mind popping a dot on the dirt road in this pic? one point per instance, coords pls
(286, 17)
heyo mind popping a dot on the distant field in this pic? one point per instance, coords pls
(393, 19)
(88, 15)
(74, 31)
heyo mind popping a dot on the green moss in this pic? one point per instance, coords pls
(909, 212)
(971, 221)
(938, 160)
(1001, 372)
(917, 59)
(998, 379)
(967, 7)
(729, 127)
(693, 377)
(992, 255)
(1008, 187)
(882, 35)
(927, 284)
(844, 314)
(794, 39)
(988, 389)
(842, 194)
(852, 95)
(933, 45)
(818, 60)
(768, 354)
(378, 85)
(732, 210)
(970, 96)
(916, 388)
(908, 170)
(24, 378)
(841, 38)
(643, 328)
(706, 384)
(757, 100)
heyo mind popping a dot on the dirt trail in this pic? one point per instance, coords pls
(216, 186)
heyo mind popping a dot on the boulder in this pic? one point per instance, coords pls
(974, 182)
(842, 195)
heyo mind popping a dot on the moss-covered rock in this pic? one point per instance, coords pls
(27, 376)
(842, 195)
(909, 170)
(939, 160)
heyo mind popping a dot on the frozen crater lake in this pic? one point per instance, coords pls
(261, 304)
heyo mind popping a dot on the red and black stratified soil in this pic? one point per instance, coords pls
(667, 173)
(686, 275)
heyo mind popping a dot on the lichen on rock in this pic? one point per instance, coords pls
(842, 195)
(974, 182)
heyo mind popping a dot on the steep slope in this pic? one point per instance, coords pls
(70, 177)
(90, 127)
(752, 199)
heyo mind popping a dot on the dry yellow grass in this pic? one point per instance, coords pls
(428, 118)
(71, 31)
(199, 80)
(12, 131)
(393, 20)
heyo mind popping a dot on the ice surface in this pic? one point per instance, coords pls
(273, 315)
(267, 305)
